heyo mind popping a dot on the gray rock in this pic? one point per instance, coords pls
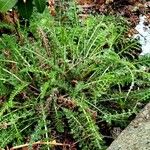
(137, 135)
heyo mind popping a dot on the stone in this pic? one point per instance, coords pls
(137, 135)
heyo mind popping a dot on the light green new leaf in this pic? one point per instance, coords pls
(6, 5)
(40, 5)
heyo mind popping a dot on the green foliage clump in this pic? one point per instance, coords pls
(77, 62)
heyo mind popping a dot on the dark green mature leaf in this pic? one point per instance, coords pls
(25, 9)
(6, 5)
(40, 5)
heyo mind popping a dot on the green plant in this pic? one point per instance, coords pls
(25, 7)
(67, 78)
